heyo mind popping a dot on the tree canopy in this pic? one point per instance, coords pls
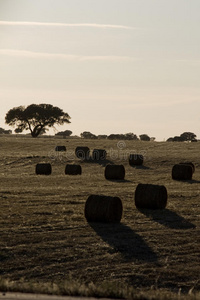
(184, 137)
(64, 133)
(144, 137)
(4, 131)
(88, 135)
(126, 136)
(36, 118)
(188, 136)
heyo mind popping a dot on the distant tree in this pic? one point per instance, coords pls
(4, 131)
(175, 139)
(36, 118)
(64, 133)
(178, 139)
(184, 137)
(126, 136)
(102, 136)
(188, 136)
(88, 135)
(113, 136)
(170, 139)
(144, 137)
(130, 136)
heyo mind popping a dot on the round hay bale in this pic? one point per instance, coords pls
(99, 154)
(82, 153)
(150, 196)
(73, 170)
(190, 164)
(182, 172)
(60, 148)
(43, 169)
(100, 208)
(136, 159)
(116, 172)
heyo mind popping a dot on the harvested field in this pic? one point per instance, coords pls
(44, 234)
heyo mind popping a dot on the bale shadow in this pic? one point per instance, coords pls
(124, 240)
(191, 181)
(101, 162)
(140, 167)
(119, 180)
(168, 218)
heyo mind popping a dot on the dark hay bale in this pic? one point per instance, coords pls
(190, 164)
(116, 172)
(82, 153)
(73, 169)
(99, 154)
(43, 169)
(182, 172)
(60, 148)
(100, 208)
(136, 159)
(150, 196)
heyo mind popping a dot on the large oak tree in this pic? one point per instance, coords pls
(36, 118)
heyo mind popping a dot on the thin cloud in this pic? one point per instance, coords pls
(111, 26)
(31, 54)
(44, 55)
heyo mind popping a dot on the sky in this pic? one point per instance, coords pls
(115, 66)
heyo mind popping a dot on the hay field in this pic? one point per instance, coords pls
(45, 237)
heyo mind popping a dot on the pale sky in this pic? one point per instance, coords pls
(115, 66)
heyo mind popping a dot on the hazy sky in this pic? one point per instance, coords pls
(115, 66)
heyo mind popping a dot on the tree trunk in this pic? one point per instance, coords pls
(36, 131)
(33, 134)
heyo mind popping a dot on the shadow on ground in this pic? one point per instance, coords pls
(124, 240)
(140, 167)
(191, 181)
(119, 180)
(168, 218)
(102, 162)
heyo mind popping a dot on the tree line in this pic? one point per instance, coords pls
(38, 118)
(126, 136)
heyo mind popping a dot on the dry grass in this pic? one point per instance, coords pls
(46, 241)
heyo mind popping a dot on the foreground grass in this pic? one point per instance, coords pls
(47, 246)
(104, 290)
